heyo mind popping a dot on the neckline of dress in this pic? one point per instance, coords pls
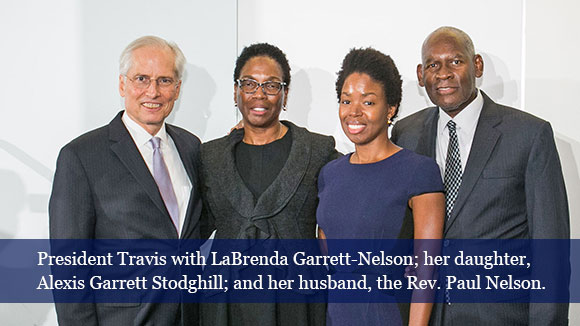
(377, 162)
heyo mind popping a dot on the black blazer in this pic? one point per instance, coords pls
(103, 190)
(286, 210)
(512, 188)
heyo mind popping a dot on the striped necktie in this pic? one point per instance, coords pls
(453, 173)
(161, 176)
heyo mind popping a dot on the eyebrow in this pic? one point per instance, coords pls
(148, 76)
(364, 94)
(453, 55)
(271, 78)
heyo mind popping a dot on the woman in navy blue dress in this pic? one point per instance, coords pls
(366, 194)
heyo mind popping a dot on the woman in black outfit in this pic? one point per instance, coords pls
(260, 182)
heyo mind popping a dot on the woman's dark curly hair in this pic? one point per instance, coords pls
(263, 50)
(379, 67)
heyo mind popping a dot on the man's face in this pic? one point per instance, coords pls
(150, 105)
(448, 72)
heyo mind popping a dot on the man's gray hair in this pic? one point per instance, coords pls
(467, 42)
(126, 59)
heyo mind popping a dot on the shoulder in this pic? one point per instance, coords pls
(415, 120)
(516, 116)
(407, 132)
(185, 142)
(337, 164)
(510, 114)
(417, 159)
(183, 133)
(321, 147)
(514, 122)
(89, 142)
(215, 144)
(414, 161)
(213, 149)
(335, 167)
(424, 172)
(318, 141)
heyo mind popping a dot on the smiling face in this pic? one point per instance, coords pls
(260, 110)
(448, 72)
(364, 110)
(151, 105)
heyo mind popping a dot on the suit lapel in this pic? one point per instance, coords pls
(426, 143)
(484, 140)
(187, 158)
(279, 193)
(231, 183)
(185, 153)
(124, 147)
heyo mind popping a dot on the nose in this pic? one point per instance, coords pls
(444, 73)
(355, 109)
(153, 89)
(259, 93)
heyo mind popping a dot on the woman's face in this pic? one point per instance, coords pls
(260, 110)
(363, 109)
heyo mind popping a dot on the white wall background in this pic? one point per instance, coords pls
(316, 35)
(59, 64)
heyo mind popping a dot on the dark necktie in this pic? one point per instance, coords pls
(161, 175)
(452, 178)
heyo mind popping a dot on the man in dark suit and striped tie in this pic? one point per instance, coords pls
(136, 178)
(501, 169)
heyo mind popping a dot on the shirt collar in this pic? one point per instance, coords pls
(140, 135)
(466, 119)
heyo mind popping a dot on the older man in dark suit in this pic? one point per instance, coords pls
(136, 178)
(502, 174)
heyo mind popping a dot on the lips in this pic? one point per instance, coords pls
(444, 90)
(355, 127)
(152, 106)
(258, 110)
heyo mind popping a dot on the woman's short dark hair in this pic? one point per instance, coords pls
(379, 67)
(263, 50)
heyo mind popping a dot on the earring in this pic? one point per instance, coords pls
(389, 121)
(284, 108)
(236, 104)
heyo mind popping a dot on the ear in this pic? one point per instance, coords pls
(478, 63)
(391, 112)
(236, 93)
(285, 96)
(122, 85)
(177, 90)
(420, 75)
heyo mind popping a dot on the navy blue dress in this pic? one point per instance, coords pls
(369, 201)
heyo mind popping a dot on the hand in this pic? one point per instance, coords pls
(410, 271)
